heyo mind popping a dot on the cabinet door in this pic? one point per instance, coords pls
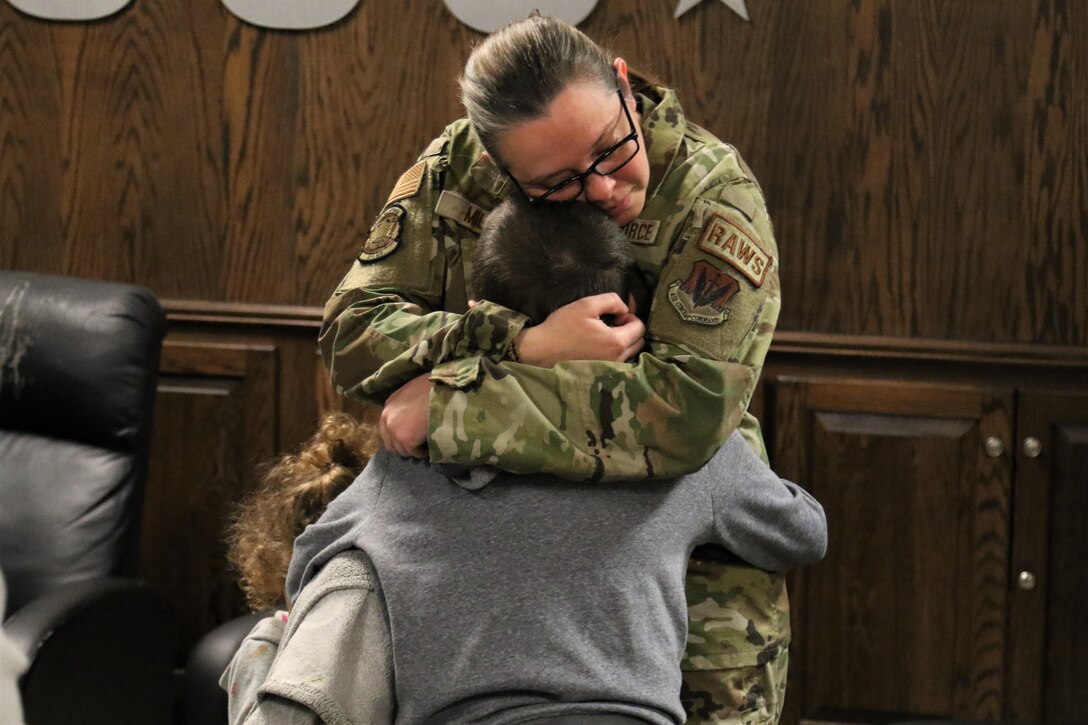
(907, 613)
(1048, 634)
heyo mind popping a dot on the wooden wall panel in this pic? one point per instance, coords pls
(925, 162)
(215, 420)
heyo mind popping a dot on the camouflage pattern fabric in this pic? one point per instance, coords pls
(704, 243)
(737, 655)
(748, 695)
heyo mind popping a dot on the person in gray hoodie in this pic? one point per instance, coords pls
(429, 593)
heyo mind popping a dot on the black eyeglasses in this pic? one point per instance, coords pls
(612, 160)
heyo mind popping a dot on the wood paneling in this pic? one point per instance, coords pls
(215, 420)
(907, 612)
(1048, 659)
(926, 163)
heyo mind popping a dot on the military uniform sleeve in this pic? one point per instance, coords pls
(714, 310)
(384, 324)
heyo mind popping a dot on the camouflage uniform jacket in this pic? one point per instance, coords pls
(703, 242)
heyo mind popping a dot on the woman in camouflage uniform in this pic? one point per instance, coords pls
(553, 117)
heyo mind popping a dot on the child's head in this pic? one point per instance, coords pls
(292, 494)
(537, 259)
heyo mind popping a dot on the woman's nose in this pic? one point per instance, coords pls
(599, 188)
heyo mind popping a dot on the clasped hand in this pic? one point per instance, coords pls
(575, 331)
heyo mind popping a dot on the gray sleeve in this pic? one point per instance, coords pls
(766, 520)
(334, 662)
(248, 670)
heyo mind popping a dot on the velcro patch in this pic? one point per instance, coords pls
(703, 296)
(408, 184)
(459, 209)
(642, 231)
(729, 239)
(384, 236)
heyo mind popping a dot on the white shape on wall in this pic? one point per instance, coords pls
(487, 15)
(69, 9)
(740, 7)
(290, 14)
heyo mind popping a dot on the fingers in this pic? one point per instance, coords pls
(606, 304)
(388, 441)
(633, 350)
(395, 445)
(631, 330)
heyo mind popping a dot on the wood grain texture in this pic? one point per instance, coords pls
(925, 162)
(1048, 633)
(907, 612)
(216, 418)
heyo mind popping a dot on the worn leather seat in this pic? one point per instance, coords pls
(78, 371)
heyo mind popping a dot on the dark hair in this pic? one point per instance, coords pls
(537, 259)
(517, 71)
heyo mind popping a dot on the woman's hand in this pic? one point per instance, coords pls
(575, 331)
(403, 422)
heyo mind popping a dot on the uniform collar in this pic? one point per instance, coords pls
(663, 125)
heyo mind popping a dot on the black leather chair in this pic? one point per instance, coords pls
(78, 369)
(204, 702)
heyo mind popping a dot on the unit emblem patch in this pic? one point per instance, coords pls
(384, 235)
(408, 183)
(703, 296)
(729, 240)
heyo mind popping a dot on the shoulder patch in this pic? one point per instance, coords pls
(729, 238)
(703, 296)
(384, 237)
(408, 184)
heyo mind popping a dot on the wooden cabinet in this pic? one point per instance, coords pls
(1048, 631)
(934, 509)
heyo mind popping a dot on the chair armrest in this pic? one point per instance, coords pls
(204, 700)
(104, 649)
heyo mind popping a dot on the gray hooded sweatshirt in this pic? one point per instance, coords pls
(531, 597)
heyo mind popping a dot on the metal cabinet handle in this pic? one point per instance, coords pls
(1032, 447)
(994, 447)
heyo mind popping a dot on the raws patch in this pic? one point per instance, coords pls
(729, 238)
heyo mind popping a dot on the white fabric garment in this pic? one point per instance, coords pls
(12, 664)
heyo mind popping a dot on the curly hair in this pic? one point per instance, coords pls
(292, 493)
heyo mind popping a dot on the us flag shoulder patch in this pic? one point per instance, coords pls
(408, 184)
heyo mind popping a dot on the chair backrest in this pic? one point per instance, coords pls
(78, 368)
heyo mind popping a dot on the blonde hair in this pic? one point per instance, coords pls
(517, 71)
(293, 492)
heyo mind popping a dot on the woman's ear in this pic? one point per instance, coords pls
(621, 77)
(621, 68)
